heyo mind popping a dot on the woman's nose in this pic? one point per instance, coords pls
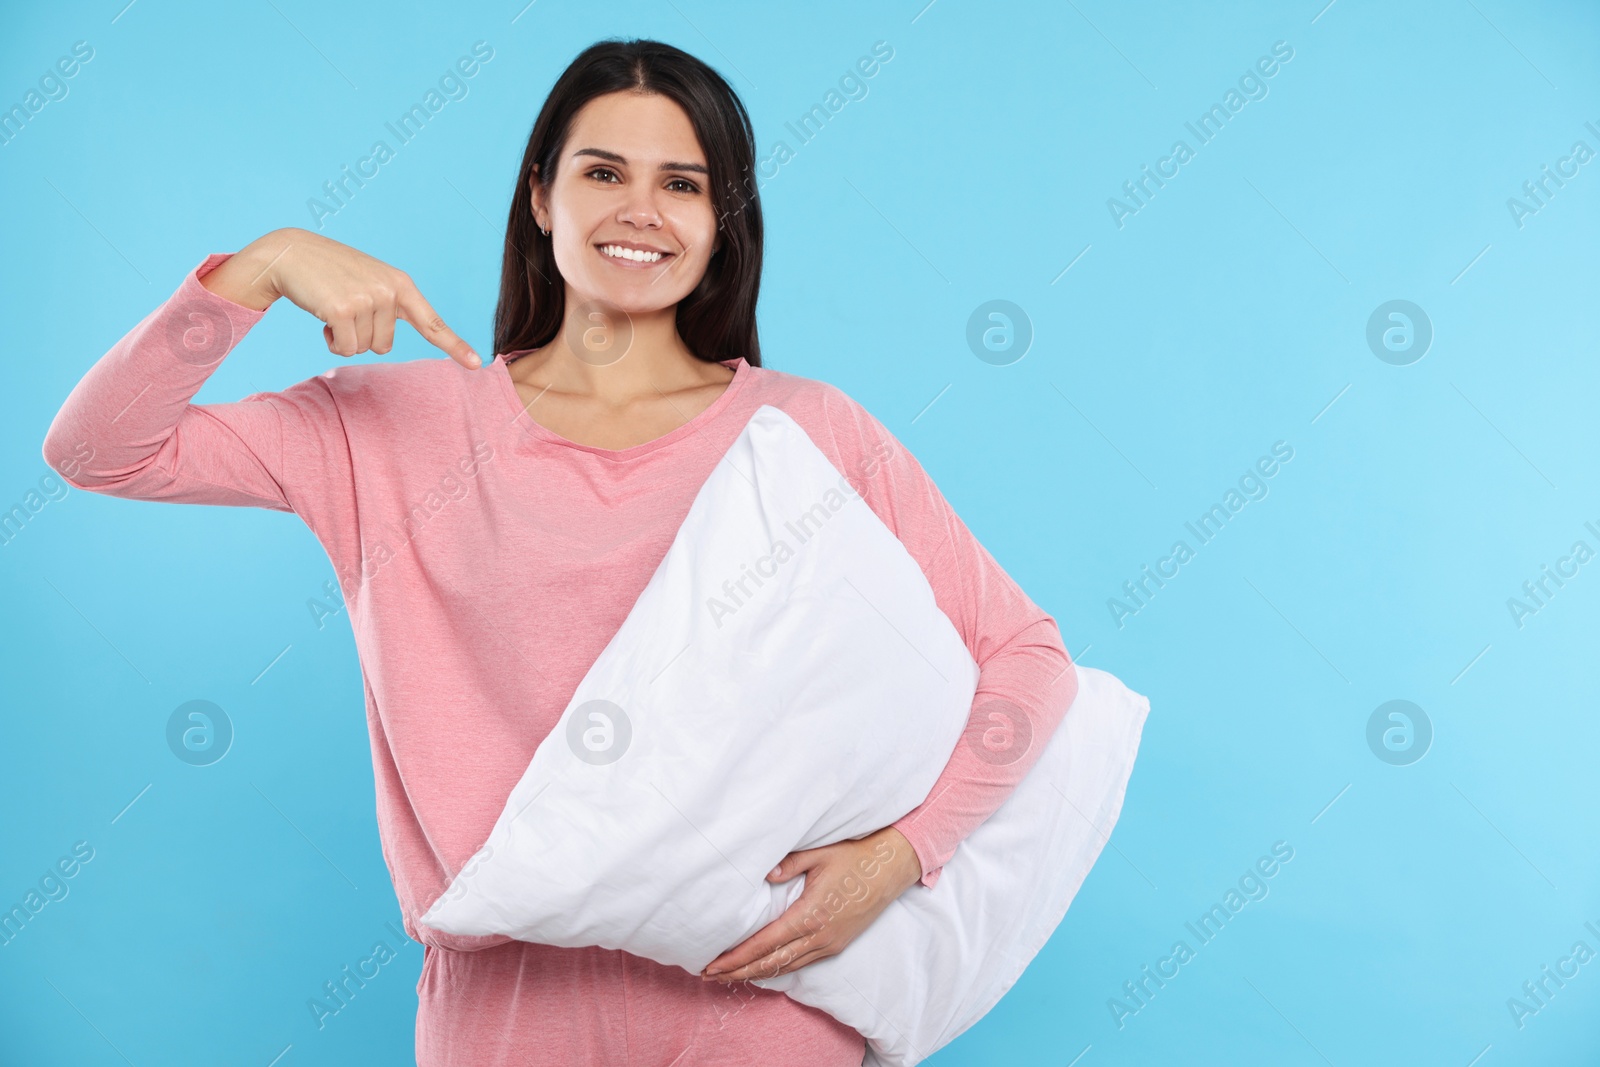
(641, 208)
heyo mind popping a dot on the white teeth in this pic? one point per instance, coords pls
(618, 252)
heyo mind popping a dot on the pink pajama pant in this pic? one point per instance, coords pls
(535, 1005)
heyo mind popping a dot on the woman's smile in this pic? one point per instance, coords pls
(630, 256)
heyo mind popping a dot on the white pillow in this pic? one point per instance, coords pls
(704, 745)
(936, 960)
(785, 680)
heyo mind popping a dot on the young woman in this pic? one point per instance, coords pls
(492, 522)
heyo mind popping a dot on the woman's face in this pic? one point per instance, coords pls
(631, 176)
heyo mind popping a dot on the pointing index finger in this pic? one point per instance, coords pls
(412, 307)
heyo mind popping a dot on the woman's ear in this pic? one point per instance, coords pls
(536, 197)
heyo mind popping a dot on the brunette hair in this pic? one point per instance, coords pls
(717, 321)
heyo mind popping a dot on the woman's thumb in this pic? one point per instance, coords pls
(794, 864)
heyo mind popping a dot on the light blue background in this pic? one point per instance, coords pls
(1229, 313)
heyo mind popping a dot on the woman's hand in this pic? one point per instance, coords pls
(358, 298)
(847, 885)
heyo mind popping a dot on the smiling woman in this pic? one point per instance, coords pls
(626, 367)
(623, 209)
(634, 230)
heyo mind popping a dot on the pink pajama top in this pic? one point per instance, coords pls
(485, 562)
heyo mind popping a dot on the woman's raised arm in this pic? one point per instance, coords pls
(357, 297)
(129, 429)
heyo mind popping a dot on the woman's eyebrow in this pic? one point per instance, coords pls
(695, 168)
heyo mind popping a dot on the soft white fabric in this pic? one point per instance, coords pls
(936, 960)
(703, 746)
(731, 725)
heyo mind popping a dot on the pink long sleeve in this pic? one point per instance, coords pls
(1024, 686)
(128, 428)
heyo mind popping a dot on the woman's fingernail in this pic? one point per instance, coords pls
(474, 359)
(776, 871)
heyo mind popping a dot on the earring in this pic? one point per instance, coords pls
(544, 231)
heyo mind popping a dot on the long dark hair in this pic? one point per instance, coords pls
(717, 321)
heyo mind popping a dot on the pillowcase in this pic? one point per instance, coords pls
(936, 960)
(786, 680)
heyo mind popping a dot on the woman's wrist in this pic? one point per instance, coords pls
(905, 863)
(245, 278)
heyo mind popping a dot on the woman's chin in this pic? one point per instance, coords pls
(633, 300)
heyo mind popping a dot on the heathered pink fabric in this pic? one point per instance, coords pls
(485, 563)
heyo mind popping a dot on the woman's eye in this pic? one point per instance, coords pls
(605, 174)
